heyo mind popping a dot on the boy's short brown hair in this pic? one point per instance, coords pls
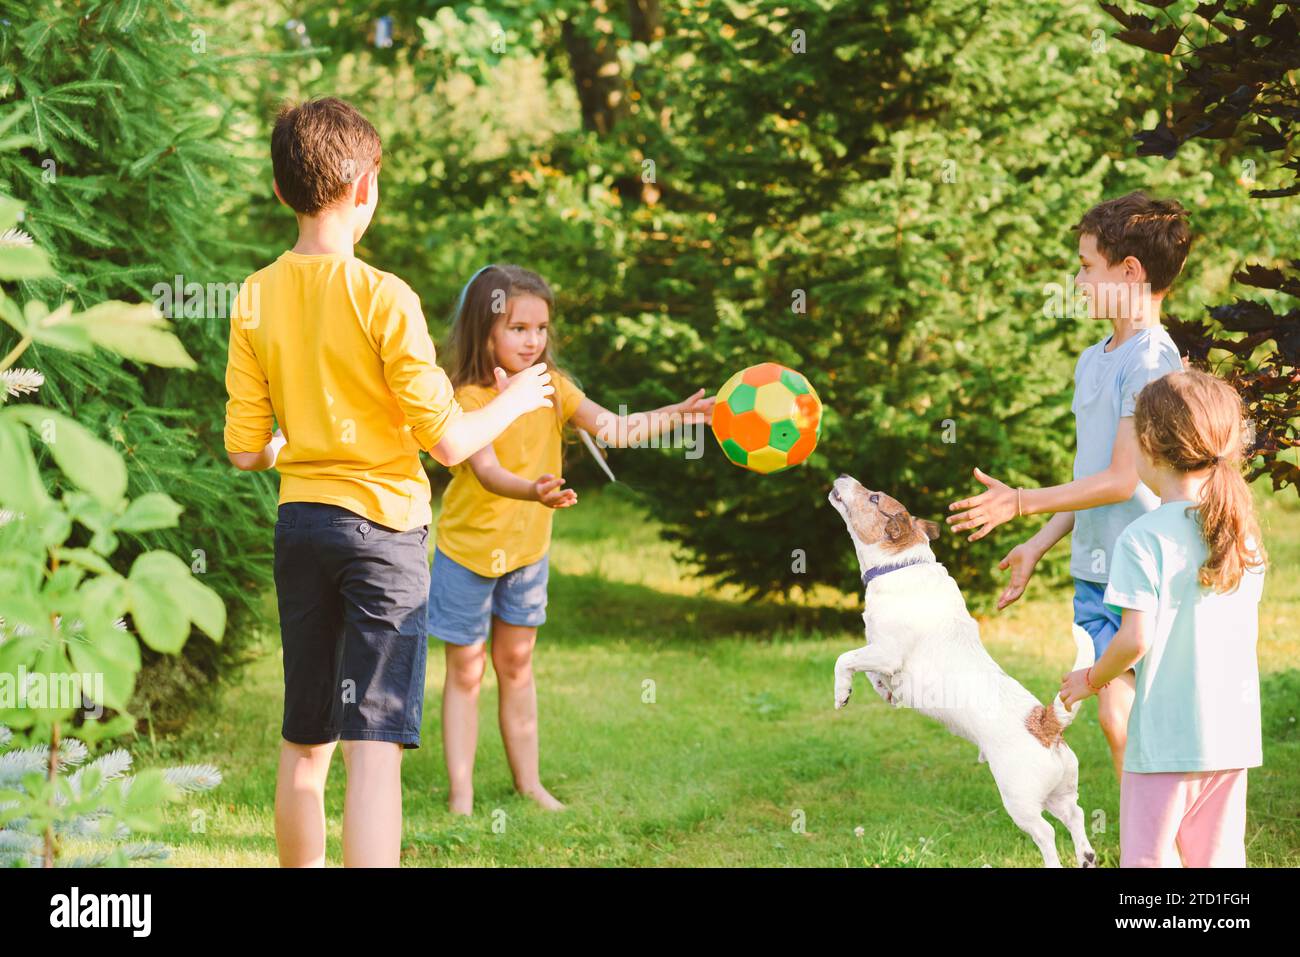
(318, 148)
(1155, 231)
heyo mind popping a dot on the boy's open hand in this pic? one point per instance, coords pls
(988, 510)
(696, 408)
(1074, 687)
(551, 495)
(1021, 560)
(529, 387)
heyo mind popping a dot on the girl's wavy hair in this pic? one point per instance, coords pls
(485, 298)
(1191, 421)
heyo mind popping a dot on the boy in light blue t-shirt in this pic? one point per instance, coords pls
(1187, 578)
(1130, 251)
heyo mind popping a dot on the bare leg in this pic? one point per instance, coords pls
(300, 803)
(372, 809)
(1114, 702)
(512, 657)
(465, 666)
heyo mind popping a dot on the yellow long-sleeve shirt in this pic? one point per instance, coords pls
(338, 353)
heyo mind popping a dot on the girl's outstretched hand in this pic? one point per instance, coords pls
(696, 408)
(549, 493)
(1074, 687)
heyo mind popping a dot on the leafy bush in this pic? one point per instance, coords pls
(97, 806)
(134, 174)
(67, 654)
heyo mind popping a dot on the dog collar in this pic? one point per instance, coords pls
(869, 576)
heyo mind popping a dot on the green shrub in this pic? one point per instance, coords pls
(133, 173)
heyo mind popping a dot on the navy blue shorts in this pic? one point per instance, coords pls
(353, 599)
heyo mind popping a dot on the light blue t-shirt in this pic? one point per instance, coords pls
(1106, 385)
(1197, 702)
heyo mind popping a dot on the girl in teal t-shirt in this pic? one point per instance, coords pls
(1187, 578)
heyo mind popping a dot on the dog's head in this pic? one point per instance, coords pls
(881, 528)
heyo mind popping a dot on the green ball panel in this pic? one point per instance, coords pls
(784, 435)
(795, 382)
(731, 448)
(742, 398)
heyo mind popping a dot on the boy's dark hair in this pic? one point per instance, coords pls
(318, 148)
(1155, 231)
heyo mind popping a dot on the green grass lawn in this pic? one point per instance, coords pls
(737, 758)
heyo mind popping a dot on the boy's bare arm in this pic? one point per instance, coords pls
(259, 461)
(518, 395)
(1002, 502)
(1057, 527)
(1022, 559)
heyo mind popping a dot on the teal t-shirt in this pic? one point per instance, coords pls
(1106, 385)
(1197, 703)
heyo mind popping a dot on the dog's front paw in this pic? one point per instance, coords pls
(843, 688)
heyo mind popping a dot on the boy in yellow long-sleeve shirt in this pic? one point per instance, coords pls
(338, 354)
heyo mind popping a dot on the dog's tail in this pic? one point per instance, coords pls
(1083, 658)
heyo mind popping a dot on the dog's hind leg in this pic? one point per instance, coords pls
(1019, 786)
(1029, 818)
(1064, 806)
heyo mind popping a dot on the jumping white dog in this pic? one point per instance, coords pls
(924, 652)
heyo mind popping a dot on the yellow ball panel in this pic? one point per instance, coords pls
(767, 459)
(774, 402)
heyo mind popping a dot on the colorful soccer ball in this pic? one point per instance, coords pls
(767, 418)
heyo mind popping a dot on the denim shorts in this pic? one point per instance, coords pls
(353, 613)
(462, 602)
(1092, 615)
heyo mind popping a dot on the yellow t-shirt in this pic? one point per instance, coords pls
(338, 353)
(490, 534)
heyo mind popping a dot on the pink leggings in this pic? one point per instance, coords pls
(1183, 819)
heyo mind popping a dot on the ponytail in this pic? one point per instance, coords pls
(1229, 528)
(1192, 422)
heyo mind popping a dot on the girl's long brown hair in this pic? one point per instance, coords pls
(485, 299)
(1192, 421)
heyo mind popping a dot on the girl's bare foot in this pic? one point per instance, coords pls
(543, 797)
(461, 804)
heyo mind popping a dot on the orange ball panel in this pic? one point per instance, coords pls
(723, 421)
(751, 430)
(763, 373)
(809, 411)
(802, 448)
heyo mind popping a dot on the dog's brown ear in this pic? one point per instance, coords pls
(896, 528)
(927, 528)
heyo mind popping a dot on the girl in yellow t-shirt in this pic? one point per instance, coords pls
(490, 564)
